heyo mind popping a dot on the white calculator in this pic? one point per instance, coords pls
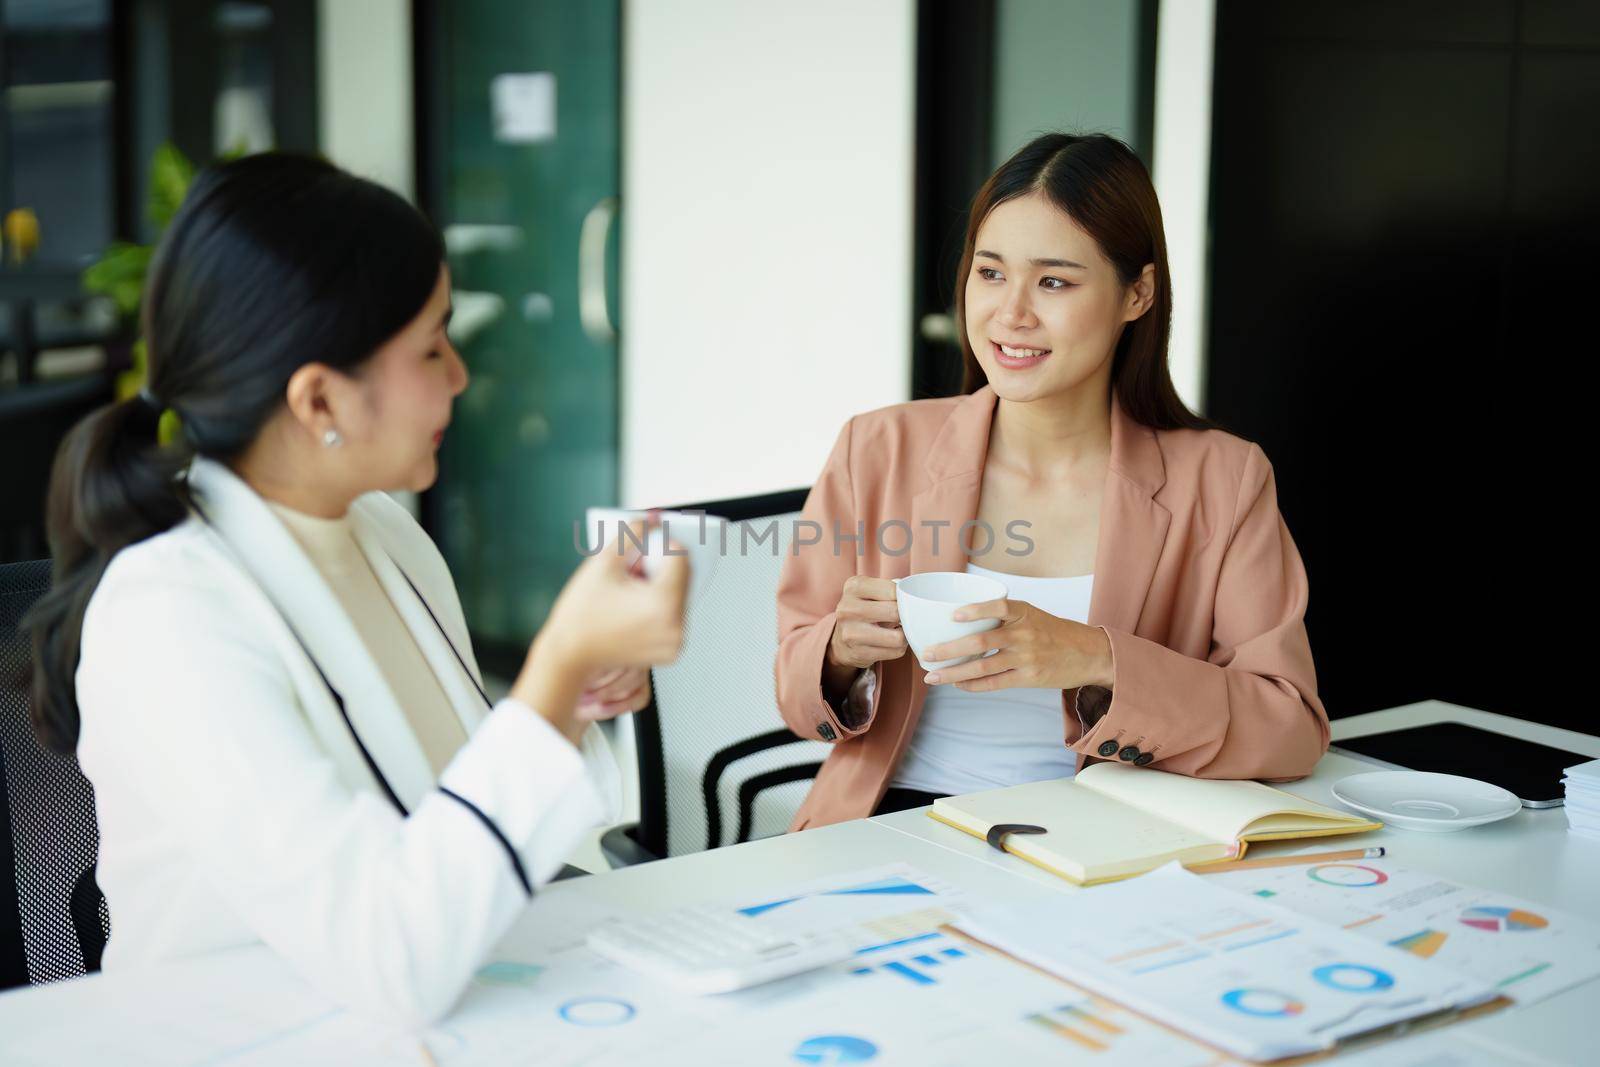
(710, 950)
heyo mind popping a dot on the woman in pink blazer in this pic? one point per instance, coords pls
(1071, 471)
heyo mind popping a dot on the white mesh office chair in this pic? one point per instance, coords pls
(717, 766)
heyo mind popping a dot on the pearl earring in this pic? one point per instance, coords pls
(331, 438)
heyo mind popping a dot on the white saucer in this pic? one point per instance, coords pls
(1418, 800)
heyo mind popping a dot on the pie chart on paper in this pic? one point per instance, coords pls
(1497, 920)
(835, 1048)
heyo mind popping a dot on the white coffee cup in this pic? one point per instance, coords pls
(697, 536)
(928, 600)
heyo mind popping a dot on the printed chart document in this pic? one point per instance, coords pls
(1244, 975)
(1113, 821)
(1525, 950)
(913, 995)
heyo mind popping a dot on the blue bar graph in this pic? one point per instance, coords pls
(909, 973)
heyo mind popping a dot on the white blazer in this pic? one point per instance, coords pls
(236, 804)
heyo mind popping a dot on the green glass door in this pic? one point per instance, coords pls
(519, 129)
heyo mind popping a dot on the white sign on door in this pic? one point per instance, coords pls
(524, 107)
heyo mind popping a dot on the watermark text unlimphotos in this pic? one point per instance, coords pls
(893, 537)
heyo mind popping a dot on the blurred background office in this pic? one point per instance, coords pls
(689, 238)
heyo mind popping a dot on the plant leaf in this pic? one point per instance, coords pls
(137, 376)
(119, 273)
(170, 175)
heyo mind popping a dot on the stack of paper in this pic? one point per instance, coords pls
(912, 994)
(1583, 799)
(1243, 974)
(1526, 950)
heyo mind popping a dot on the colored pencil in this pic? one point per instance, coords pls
(1289, 861)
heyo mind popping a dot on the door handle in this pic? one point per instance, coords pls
(593, 313)
(940, 328)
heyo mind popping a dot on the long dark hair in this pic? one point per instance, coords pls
(1105, 189)
(274, 261)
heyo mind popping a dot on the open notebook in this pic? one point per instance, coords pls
(1113, 821)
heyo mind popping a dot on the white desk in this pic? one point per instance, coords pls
(1529, 855)
(232, 1002)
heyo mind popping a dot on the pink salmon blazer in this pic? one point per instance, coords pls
(1197, 583)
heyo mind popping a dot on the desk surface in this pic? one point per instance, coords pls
(1529, 855)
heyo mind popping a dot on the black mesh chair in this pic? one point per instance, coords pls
(33, 420)
(53, 920)
(716, 764)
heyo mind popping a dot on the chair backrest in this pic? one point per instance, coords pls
(33, 420)
(53, 921)
(716, 763)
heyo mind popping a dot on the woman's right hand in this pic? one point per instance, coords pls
(606, 616)
(866, 628)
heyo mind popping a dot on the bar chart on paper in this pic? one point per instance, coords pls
(1424, 943)
(1527, 952)
(921, 968)
(941, 1000)
(1087, 1023)
(886, 904)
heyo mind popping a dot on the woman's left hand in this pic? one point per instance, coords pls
(1036, 651)
(615, 691)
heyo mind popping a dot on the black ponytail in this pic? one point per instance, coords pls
(274, 261)
(111, 486)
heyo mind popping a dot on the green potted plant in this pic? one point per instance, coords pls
(120, 271)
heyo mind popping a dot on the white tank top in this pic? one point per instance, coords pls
(970, 742)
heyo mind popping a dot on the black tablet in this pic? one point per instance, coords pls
(1530, 770)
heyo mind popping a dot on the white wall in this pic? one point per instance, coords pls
(364, 103)
(1184, 54)
(364, 106)
(766, 236)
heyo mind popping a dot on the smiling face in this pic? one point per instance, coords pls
(392, 412)
(1044, 308)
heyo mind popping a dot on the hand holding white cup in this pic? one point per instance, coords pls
(928, 603)
(654, 535)
(866, 629)
(1022, 646)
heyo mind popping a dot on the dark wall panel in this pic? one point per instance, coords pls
(1397, 189)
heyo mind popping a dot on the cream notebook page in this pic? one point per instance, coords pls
(1217, 810)
(1088, 834)
(1113, 821)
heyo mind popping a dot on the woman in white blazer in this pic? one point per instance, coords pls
(261, 660)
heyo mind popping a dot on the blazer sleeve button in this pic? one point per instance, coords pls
(1129, 754)
(1144, 759)
(1108, 748)
(825, 731)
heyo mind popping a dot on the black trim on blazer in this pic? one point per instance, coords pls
(338, 701)
(372, 764)
(424, 600)
(516, 861)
